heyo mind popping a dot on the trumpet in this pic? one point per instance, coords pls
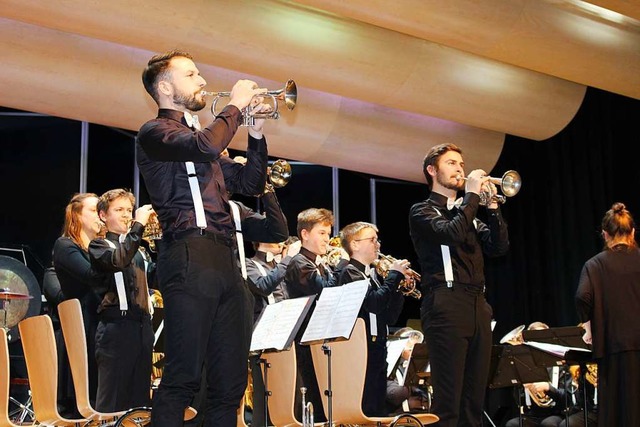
(288, 94)
(307, 410)
(279, 173)
(152, 231)
(408, 285)
(510, 184)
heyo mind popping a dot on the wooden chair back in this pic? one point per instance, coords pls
(38, 342)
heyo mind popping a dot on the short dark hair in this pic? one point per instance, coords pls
(312, 216)
(105, 200)
(158, 68)
(432, 157)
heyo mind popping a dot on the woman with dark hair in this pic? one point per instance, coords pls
(607, 299)
(74, 271)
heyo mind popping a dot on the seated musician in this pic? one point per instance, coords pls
(400, 397)
(553, 403)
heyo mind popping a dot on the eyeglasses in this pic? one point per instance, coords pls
(373, 239)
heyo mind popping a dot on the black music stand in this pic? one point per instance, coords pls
(581, 358)
(417, 370)
(567, 336)
(513, 366)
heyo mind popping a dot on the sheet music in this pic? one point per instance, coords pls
(555, 349)
(336, 312)
(394, 350)
(276, 324)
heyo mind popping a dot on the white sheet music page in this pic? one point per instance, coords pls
(555, 349)
(336, 312)
(276, 324)
(394, 350)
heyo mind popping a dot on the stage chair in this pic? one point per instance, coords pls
(39, 346)
(348, 371)
(70, 314)
(282, 384)
(4, 382)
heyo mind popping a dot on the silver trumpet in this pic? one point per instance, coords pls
(307, 409)
(510, 184)
(288, 94)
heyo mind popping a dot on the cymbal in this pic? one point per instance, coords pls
(20, 295)
(7, 295)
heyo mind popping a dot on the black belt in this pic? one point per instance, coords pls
(114, 314)
(197, 233)
(474, 289)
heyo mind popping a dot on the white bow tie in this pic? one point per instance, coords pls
(367, 270)
(271, 257)
(192, 120)
(321, 260)
(454, 203)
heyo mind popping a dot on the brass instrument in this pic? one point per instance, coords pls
(591, 375)
(279, 173)
(288, 94)
(510, 183)
(408, 286)
(152, 232)
(539, 398)
(307, 409)
(334, 251)
(513, 337)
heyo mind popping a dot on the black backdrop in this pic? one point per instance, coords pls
(569, 181)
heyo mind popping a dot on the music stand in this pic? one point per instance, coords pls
(275, 330)
(513, 366)
(418, 367)
(567, 336)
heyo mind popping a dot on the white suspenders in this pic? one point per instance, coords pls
(446, 257)
(119, 278)
(201, 220)
(270, 298)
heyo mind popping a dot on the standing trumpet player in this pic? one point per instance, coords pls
(207, 306)
(124, 336)
(450, 241)
(381, 307)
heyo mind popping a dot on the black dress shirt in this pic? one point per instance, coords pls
(165, 143)
(263, 286)
(432, 225)
(305, 278)
(108, 260)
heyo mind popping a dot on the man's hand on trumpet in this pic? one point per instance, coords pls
(243, 92)
(475, 181)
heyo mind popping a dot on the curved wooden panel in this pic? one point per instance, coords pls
(76, 77)
(570, 39)
(277, 40)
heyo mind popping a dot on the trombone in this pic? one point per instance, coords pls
(288, 94)
(510, 184)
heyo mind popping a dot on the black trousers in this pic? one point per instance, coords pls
(123, 354)
(457, 326)
(375, 384)
(208, 319)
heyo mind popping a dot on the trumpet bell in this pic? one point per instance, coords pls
(514, 337)
(289, 94)
(280, 173)
(511, 183)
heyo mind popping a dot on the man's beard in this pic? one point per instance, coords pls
(190, 102)
(459, 183)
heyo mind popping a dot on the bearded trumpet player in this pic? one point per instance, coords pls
(456, 319)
